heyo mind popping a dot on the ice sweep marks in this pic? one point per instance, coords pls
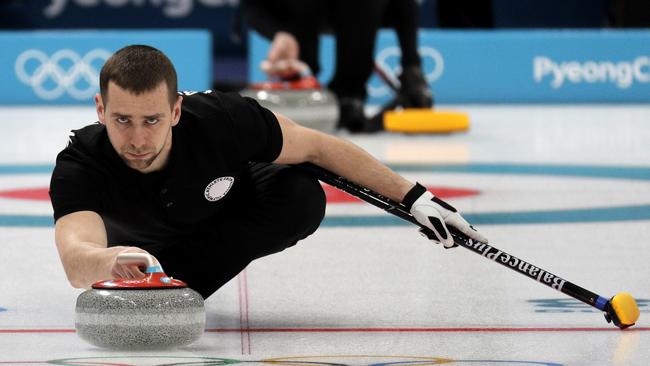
(287, 361)
(366, 360)
(562, 305)
(143, 360)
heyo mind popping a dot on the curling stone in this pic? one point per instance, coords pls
(151, 313)
(302, 100)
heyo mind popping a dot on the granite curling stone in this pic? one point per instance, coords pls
(155, 312)
(302, 100)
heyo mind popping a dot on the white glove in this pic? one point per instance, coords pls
(436, 214)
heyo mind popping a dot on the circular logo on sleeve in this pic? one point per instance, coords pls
(218, 188)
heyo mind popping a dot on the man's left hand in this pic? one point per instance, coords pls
(436, 214)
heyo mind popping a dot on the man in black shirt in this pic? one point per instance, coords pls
(200, 181)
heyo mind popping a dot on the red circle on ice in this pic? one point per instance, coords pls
(35, 194)
(333, 195)
(337, 196)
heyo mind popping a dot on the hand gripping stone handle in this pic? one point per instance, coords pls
(139, 259)
(620, 309)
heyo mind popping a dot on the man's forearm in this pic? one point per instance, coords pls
(355, 164)
(82, 244)
(85, 263)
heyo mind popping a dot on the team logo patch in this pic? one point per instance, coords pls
(218, 188)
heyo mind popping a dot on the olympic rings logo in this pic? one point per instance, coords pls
(65, 71)
(433, 66)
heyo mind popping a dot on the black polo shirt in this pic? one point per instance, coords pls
(212, 145)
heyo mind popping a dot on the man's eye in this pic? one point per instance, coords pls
(122, 120)
(152, 121)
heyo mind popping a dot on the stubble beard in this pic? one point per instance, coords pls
(139, 164)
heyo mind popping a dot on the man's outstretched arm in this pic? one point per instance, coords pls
(341, 157)
(82, 244)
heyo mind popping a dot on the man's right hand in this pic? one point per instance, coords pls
(86, 257)
(282, 60)
(127, 271)
(284, 47)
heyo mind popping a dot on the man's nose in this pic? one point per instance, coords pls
(139, 137)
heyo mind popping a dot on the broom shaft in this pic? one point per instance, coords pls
(490, 252)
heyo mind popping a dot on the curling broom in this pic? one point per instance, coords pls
(621, 309)
(395, 117)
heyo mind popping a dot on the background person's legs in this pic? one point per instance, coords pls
(355, 25)
(306, 17)
(285, 205)
(401, 15)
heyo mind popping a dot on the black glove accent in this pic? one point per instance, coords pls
(444, 204)
(439, 227)
(413, 195)
(431, 236)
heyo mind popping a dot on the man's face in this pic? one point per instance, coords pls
(139, 126)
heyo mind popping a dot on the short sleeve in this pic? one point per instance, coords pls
(256, 129)
(72, 187)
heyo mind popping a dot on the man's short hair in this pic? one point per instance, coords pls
(138, 69)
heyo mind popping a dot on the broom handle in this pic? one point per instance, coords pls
(490, 252)
(387, 77)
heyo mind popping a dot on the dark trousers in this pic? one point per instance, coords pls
(355, 26)
(354, 23)
(284, 205)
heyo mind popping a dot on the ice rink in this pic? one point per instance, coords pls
(564, 187)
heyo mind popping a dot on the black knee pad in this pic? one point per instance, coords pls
(306, 208)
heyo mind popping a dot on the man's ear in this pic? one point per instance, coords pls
(99, 104)
(176, 110)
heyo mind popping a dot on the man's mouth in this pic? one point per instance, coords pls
(139, 156)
